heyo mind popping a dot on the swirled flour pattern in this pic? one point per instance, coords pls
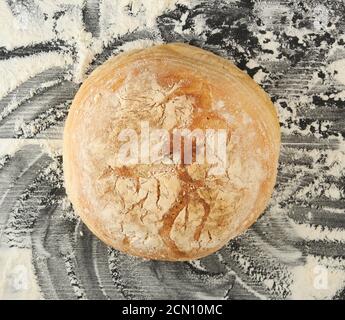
(294, 49)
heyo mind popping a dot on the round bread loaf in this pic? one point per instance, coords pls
(169, 152)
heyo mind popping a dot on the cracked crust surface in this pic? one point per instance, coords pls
(164, 211)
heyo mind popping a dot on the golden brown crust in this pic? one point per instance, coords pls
(169, 212)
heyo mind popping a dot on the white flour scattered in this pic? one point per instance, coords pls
(18, 70)
(30, 28)
(25, 29)
(116, 18)
(319, 233)
(17, 279)
(337, 69)
(16, 102)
